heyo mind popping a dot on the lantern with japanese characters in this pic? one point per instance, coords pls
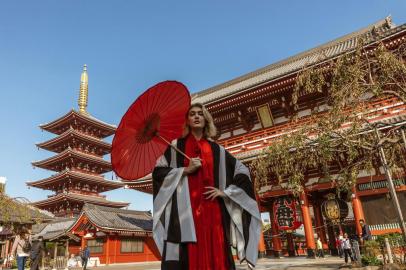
(285, 213)
(334, 209)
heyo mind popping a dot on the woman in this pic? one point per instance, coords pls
(319, 245)
(346, 245)
(204, 205)
(21, 247)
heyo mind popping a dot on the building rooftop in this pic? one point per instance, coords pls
(109, 218)
(329, 50)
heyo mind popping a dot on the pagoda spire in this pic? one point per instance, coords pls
(83, 92)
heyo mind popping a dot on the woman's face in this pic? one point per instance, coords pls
(195, 118)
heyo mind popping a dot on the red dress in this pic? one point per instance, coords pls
(209, 253)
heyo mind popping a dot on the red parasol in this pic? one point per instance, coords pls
(152, 121)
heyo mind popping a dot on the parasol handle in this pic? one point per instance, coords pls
(173, 146)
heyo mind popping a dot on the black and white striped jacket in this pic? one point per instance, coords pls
(173, 224)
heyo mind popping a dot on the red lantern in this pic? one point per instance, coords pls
(285, 214)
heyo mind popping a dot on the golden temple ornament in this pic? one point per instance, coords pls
(334, 209)
(83, 92)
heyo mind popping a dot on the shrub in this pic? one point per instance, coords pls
(370, 260)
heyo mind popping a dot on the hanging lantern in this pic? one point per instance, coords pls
(285, 214)
(334, 209)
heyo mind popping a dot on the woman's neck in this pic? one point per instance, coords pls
(197, 133)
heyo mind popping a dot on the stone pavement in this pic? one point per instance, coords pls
(298, 263)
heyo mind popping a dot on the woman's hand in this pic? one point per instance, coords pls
(213, 193)
(194, 165)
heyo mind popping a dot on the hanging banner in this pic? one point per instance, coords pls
(285, 214)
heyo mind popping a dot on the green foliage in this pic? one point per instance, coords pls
(338, 138)
(395, 239)
(370, 260)
(372, 248)
(13, 212)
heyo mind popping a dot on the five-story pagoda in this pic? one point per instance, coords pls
(78, 163)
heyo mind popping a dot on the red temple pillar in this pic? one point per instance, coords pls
(307, 222)
(358, 212)
(276, 240)
(108, 239)
(320, 228)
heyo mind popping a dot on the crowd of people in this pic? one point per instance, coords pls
(347, 247)
(25, 248)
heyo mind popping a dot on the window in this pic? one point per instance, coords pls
(95, 245)
(132, 245)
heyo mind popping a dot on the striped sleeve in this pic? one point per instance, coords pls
(160, 171)
(240, 192)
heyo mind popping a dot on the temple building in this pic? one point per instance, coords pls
(254, 110)
(113, 236)
(78, 161)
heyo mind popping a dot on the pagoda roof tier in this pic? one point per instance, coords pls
(75, 198)
(68, 137)
(143, 184)
(371, 34)
(74, 176)
(76, 119)
(68, 156)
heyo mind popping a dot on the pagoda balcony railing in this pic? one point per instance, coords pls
(261, 138)
(78, 192)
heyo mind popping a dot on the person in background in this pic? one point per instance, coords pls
(72, 262)
(339, 245)
(304, 249)
(85, 255)
(21, 247)
(36, 253)
(319, 246)
(346, 246)
(366, 232)
(297, 248)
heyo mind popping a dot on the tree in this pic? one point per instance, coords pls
(339, 137)
(14, 212)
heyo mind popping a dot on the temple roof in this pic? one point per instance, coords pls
(112, 219)
(69, 174)
(50, 162)
(72, 117)
(61, 197)
(70, 134)
(374, 32)
(59, 228)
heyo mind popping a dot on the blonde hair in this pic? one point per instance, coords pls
(209, 130)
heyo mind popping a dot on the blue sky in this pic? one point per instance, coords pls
(131, 45)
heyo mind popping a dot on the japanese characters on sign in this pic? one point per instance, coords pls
(285, 213)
